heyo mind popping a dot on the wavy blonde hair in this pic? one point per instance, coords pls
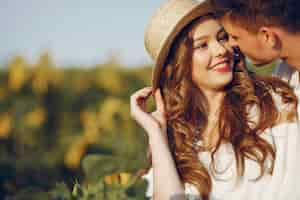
(187, 115)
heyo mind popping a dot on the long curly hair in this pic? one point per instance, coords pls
(187, 115)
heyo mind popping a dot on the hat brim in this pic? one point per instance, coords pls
(200, 9)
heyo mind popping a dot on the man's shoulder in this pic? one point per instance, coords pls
(283, 71)
(281, 68)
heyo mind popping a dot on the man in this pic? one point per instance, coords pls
(265, 30)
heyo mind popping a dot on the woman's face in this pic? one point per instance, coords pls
(212, 60)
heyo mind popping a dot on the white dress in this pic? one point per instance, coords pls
(284, 184)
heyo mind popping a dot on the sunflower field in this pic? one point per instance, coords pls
(67, 134)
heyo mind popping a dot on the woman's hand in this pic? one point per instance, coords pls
(167, 183)
(155, 121)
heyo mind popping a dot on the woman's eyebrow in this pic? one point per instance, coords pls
(201, 38)
(222, 30)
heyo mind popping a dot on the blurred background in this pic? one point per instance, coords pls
(67, 70)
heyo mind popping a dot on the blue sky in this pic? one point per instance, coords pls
(75, 31)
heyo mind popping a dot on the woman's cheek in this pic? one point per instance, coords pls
(201, 59)
(200, 72)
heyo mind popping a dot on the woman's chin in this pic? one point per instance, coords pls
(223, 82)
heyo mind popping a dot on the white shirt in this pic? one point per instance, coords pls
(291, 76)
(284, 184)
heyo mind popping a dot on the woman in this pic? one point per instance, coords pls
(219, 130)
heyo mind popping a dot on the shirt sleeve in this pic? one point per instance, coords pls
(190, 191)
(149, 178)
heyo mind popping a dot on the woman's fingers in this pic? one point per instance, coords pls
(137, 108)
(140, 97)
(159, 114)
(152, 120)
(142, 93)
(159, 101)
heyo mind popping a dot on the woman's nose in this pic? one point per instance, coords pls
(219, 50)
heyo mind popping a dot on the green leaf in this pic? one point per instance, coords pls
(98, 166)
(77, 191)
(31, 194)
(60, 192)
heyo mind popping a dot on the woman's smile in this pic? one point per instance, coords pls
(223, 67)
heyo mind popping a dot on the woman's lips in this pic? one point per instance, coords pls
(222, 67)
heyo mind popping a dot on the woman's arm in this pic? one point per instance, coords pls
(167, 184)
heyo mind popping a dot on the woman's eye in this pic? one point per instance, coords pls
(224, 37)
(201, 46)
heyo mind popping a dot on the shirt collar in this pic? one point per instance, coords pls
(288, 74)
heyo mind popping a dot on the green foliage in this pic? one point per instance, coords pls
(52, 118)
(106, 165)
(101, 190)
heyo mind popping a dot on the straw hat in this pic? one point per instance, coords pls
(164, 26)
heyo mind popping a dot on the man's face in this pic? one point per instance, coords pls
(249, 43)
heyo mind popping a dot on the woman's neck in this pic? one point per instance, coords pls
(211, 135)
(214, 99)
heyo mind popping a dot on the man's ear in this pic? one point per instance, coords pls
(268, 37)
